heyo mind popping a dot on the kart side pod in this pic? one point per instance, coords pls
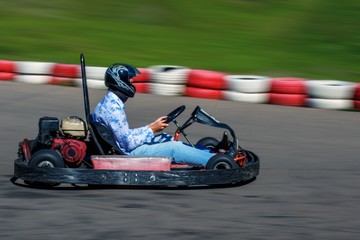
(124, 162)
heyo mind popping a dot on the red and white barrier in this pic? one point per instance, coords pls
(7, 70)
(206, 79)
(7, 76)
(357, 96)
(63, 81)
(143, 77)
(331, 89)
(248, 83)
(247, 88)
(65, 74)
(204, 93)
(171, 80)
(336, 104)
(66, 70)
(330, 94)
(33, 79)
(287, 99)
(34, 68)
(91, 83)
(95, 72)
(288, 92)
(168, 80)
(142, 87)
(7, 66)
(288, 85)
(246, 97)
(169, 75)
(142, 81)
(166, 89)
(206, 84)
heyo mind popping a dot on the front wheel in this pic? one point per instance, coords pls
(209, 142)
(221, 162)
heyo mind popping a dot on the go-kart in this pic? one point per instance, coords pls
(74, 151)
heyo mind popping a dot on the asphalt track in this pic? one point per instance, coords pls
(308, 187)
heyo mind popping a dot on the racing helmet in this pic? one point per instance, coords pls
(117, 77)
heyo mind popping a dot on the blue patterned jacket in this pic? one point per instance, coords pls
(110, 111)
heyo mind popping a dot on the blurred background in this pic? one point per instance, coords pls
(314, 39)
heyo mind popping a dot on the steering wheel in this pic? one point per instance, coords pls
(172, 115)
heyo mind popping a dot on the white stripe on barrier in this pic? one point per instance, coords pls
(95, 72)
(331, 89)
(246, 97)
(33, 79)
(175, 76)
(248, 83)
(34, 68)
(166, 89)
(164, 68)
(336, 104)
(91, 83)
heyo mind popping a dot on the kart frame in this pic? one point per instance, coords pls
(182, 176)
(56, 176)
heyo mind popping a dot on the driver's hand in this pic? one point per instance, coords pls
(159, 124)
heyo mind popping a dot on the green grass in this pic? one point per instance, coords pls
(315, 39)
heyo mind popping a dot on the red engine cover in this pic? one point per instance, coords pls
(73, 151)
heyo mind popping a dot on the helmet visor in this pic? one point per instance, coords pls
(133, 71)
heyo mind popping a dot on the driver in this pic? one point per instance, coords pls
(141, 141)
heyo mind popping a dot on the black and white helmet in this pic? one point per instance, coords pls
(117, 77)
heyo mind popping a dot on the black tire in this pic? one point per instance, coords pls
(46, 158)
(209, 142)
(221, 162)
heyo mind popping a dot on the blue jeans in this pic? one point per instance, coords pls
(163, 145)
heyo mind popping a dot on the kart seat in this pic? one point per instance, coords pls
(104, 139)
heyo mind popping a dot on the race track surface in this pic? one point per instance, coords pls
(308, 187)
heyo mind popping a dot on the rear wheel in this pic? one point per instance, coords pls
(45, 158)
(221, 162)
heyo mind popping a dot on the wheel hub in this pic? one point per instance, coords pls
(46, 164)
(222, 165)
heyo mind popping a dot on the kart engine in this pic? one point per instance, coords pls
(72, 150)
(68, 139)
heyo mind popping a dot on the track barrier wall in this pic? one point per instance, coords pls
(173, 80)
